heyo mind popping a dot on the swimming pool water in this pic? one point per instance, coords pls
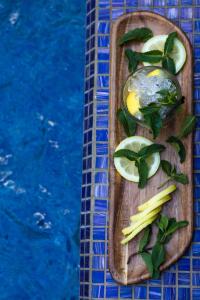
(41, 101)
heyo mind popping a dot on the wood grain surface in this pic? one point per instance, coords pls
(124, 195)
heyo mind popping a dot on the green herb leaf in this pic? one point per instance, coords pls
(187, 126)
(180, 177)
(175, 226)
(163, 223)
(129, 154)
(166, 167)
(169, 64)
(178, 145)
(143, 171)
(145, 239)
(158, 255)
(148, 261)
(132, 61)
(167, 99)
(137, 34)
(154, 122)
(169, 44)
(153, 56)
(172, 173)
(151, 149)
(150, 109)
(128, 123)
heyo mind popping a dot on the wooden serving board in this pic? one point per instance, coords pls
(124, 195)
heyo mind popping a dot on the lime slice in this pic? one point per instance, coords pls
(157, 43)
(127, 168)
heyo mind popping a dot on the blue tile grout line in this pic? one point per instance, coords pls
(182, 280)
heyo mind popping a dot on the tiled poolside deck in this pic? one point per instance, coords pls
(182, 280)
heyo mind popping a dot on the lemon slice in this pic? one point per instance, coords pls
(157, 43)
(127, 168)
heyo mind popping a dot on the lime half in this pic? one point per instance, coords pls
(157, 43)
(127, 168)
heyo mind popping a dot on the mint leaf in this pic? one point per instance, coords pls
(175, 226)
(178, 145)
(166, 167)
(163, 223)
(151, 149)
(158, 256)
(132, 61)
(153, 56)
(169, 64)
(145, 239)
(168, 98)
(172, 173)
(187, 126)
(181, 178)
(150, 109)
(128, 123)
(129, 154)
(148, 261)
(154, 122)
(169, 44)
(143, 171)
(137, 34)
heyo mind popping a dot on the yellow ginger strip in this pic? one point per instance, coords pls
(157, 197)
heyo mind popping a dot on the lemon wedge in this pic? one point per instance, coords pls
(157, 43)
(154, 73)
(132, 102)
(127, 168)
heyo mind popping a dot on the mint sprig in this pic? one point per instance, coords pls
(172, 174)
(140, 160)
(128, 123)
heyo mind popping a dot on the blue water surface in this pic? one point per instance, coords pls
(41, 103)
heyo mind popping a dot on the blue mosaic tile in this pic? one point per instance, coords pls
(196, 264)
(197, 90)
(116, 13)
(103, 41)
(101, 191)
(104, 14)
(102, 94)
(98, 262)
(160, 11)
(197, 67)
(172, 2)
(99, 219)
(102, 108)
(197, 25)
(183, 278)
(184, 294)
(102, 121)
(103, 54)
(132, 3)
(196, 236)
(169, 293)
(97, 276)
(197, 221)
(169, 278)
(196, 249)
(159, 2)
(186, 2)
(117, 3)
(99, 233)
(145, 3)
(140, 292)
(186, 13)
(154, 293)
(197, 12)
(101, 177)
(101, 148)
(101, 162)
(99, 247)
(109, 278)
(103, 81)
(97, 291)
(186, 26)
(184, 264)
(172, 13)
(196, 279)
(126, 292)
(101, 205)
(102, 135)
(196, 294)
(154, 281)
(111, 292)
(103, 27)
